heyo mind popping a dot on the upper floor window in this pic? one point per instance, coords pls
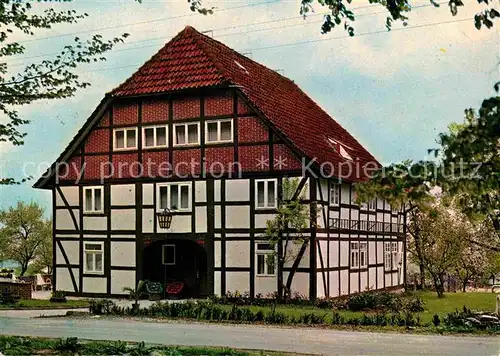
(174, 196)
(219, 131)
(372, 204)
(125, 138)
(154, 136)
(93, 200)
(265, 259)
(266, 193)
(334, 194)
(94, 257)
(187, 134)
(359, 255)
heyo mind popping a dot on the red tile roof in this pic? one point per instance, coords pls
(193, 60)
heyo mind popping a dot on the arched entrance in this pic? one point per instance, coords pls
(177, 260)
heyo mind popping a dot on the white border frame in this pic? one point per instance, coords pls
(339, 192)
(218, 122)
(125, 148)
(179, 184)
(155, 145)
(266, 206)
(92, 189)
(85, 269)
(186, 124)
(163, 255)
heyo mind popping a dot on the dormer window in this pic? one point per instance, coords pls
(340, 148)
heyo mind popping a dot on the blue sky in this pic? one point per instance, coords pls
(393, 91)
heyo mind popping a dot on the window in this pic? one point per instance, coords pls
(187, 134)
(219, 131)
(340, 148)
(168, 255)
(174, 196)
(154, 136)
(94, 257)
(334, 194)
(93, 200)
(359, 255)
(372, 204)
(391, 256)
(266, 193)
(125, 139)
(265, 259)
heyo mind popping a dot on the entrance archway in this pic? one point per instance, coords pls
(177, 260)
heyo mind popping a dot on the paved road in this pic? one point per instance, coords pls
(317, 341)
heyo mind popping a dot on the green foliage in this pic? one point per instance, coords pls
(69, 345)
(58, 296)
(24, 234)
(46, 80)
(100, 306)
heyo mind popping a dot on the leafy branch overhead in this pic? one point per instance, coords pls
(55, 78)
(341, 13)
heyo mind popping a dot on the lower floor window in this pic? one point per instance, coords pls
(359, 255)
(391, 255)
(266, 259)
(169, 255)
(94, 257)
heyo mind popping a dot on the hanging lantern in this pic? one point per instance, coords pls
(164, 218)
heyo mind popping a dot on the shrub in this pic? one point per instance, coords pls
(69, 345)
(414, 305)
(102, 307)
(58, 296)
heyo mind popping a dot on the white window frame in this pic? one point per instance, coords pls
(266, 201)
(155, 144)
(169, 203)
(266, 254)
(394, 255)
(93, 252)
(372, 204)
(389, 258)
(359, 250)
(185, 125)
(125, 148)
(219, 140)
(335, 187)
(93, 210)
(163, 247)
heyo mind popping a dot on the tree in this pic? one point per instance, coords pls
(25, 233)
(443, 239)
(46, 80)
(44, 259)
(285, 233)
(341, 14)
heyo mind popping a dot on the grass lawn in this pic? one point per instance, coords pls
(433, 305)
(46, 304)
(14, 345)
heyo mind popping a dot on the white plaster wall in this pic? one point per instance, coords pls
(95, 223)
(265, 284)
(217, 217)
(364, 281)
(344, 282)
(68, 236)
(120, 280)
(238, 254)
(64, 221)
(148, 220)
(344, 213)
(372, 277)
(119, 236)
(94, 284)
(380, 251)
(71, 194)
(261, 219)
(372, 257)
(323, 187)
(345, 193)
(238, 217)
(217, 279)
(344, 253)
(147, 194)
(72, 249)
(123, 254)
(201, 219)
(320, 286)
(217, 254)
(63, 279)
(200, 191)
(334, 253)
(387, 277)
(217, 189)
(123, 219)
(123, 194)
(334, 284)
(323, 248)
(380, 277)
(292, 251)
(180, 223)
(237, 281)
(300, 283)
(237, 190)
(354, 282)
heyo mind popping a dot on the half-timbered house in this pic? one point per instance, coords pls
(211, 134)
